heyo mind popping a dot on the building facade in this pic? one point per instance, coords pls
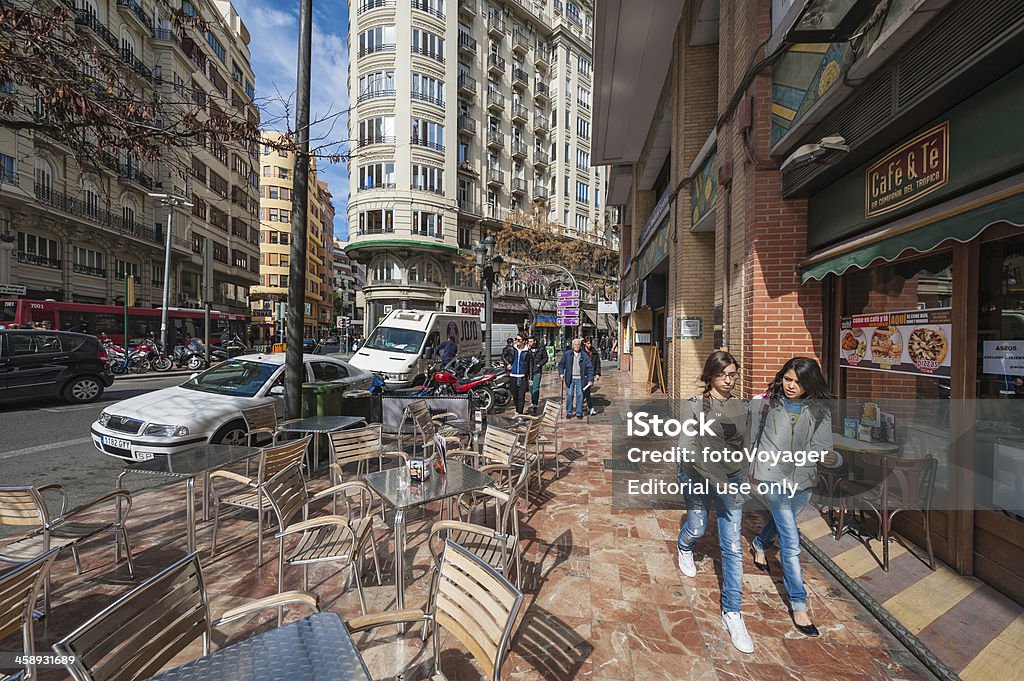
(498, 120)
(269, 299)
(349, 278)
(82, 216)
(858, 201)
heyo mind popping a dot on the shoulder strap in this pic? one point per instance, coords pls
(764, 409)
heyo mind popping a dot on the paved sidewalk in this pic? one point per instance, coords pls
(604, 599)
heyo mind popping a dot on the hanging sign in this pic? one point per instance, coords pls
(911, 342)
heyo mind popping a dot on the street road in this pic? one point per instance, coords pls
(48, 441)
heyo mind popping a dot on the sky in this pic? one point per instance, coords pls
(274, 29)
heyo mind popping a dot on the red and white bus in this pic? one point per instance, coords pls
(109, 319)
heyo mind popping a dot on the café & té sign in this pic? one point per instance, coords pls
(915, 169)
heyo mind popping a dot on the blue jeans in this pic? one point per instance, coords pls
(575, 388)
(782, 525)
(729, 510)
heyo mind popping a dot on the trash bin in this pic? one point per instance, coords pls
(309, 399)
(361, 403)
(328, 398)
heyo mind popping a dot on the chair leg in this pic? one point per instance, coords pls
(359, 588)
(837, 531)
(376, 560)
(78, 561)
(280, 580)
(928, 539)
(128, 552)
(886, 521)
(305, 577)
(259, 537)
(216, 524)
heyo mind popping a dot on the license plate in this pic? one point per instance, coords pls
(115, 442)
(143, 456)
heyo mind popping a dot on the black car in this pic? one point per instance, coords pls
(36, 364)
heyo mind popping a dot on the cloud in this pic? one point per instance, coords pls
(274, 51)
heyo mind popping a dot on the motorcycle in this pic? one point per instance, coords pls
(121, 362)
(500, 385)
(444, 382)
(158, 360)
(191, 356)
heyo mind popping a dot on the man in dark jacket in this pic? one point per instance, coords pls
(595, 359)
(538, 358)
(576, 369)
(517, 360)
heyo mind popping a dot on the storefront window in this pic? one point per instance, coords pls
(895, 352)
(999, 437)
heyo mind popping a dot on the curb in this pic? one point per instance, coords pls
(152, 375)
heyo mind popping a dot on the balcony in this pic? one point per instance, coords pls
(467, 7)
(135, 64)
(495, 64)
(520, 77)
(518, 185)
(424, 6)
(377, 49)
(540, 91)
(466, 206)
(518, 149)
(467, 43)
(426, 144)
(540, 125)
(496, 26)
(541, 57)
(91, 271)
(367, 5)
(431, 54)
(131, 8)
(540, 157)
(520, 43)
(374, 94)
(496, 177)
(467, 125)
(495, 140)
(428, 98)
(137, 176)
(72, 206)
(33, 259)
(467, 84)
(376, 229)
(84, 17)
(540, 192)
(495, 100)
(377, 139)
(520, 113)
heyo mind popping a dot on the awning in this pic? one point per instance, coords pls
(508, 306)
(960, 220)
(546, 320)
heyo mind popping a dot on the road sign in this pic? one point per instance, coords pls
(342, 321)
(568, 321)
(568, 304)
(569, 293)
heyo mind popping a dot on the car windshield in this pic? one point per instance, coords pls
(237, 377)
(395, 340)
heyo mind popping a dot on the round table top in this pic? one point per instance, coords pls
(846, 444)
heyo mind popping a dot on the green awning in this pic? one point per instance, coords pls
(962, 227)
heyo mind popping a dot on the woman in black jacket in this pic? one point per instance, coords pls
(595, 358)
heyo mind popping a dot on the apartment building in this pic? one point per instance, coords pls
(348, 280)
(270, 297)
(82, 216)
(497, 119)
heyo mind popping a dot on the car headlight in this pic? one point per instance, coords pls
(104, 417)
(165, 431)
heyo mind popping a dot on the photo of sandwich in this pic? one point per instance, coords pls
(886, 343)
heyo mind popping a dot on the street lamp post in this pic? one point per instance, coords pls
(171, 202)
(490, 265)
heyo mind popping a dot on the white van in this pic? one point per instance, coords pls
(499, 339)
(404, 345)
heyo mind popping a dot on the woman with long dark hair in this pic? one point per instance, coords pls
(794, 415)
(700, 479)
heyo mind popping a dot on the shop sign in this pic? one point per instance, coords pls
(607, 307)
(13, 290)
(915, 169)
(473, 307)
(1003, 358)
(911, 342)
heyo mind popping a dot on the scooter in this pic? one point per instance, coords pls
(191, 356)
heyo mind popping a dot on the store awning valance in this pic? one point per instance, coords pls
(963, 222)
(545, 320)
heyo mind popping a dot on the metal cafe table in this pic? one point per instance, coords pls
(320, 425)
(851, 449)
(186, 466)
(459, 479)
(317, 648)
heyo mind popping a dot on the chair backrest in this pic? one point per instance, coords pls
(422, 421)
(551, 411)
(475, 604)
(356, 444)
(275, 459)
(139, 633)
(262, 416)
(22, 506)
(499, 445)
(287, 494)
(19, 588)
(533, 429)
(910, 482)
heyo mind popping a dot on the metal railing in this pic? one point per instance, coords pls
(495, 176)
(135, 64)
(540, 124)
(467, 41)
(429, 98)
(378, 139)
(519, 148)
(495, 139)
(367, 5)
(519, 75)
(495, 24)
(467, 206)
(540, 191)
(84, 17)
(33, 259)
(135, 8)
(375, 49)
(424, 6)
(467, 124)
(418, 141)
(374, 94)
(540, 90)
(91, 271)
(468, 6)
(79, 208)
(495, 62)
(519, 185)
(422, 51)
(467, 83)
(520, 112)
(495, 99)
(540, 157)
(520, 42)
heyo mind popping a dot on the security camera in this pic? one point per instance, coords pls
(809, 153)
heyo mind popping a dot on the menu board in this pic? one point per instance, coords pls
(911, 342)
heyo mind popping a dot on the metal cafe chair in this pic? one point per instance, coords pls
(471, 601)
(892, 486)
(140, 632)
(327, 538)
(260, 421)
(25, 507)
(19, 589)
(250, 496)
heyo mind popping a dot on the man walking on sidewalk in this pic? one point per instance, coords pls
(577, 371)
(595, 359)
(538, 358)
(517, 361)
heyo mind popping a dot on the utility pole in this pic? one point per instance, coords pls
(294, 370)
(171, 202)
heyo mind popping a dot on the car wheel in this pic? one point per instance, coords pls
(231, 434)
(83, 389)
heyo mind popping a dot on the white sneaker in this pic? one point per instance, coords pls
(686, 564)
(738, 631)
(593, 411)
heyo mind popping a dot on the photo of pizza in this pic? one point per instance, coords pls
(927, 347)
(886, 343)
(854, 345)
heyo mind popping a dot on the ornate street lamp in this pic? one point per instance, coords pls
(490, 266)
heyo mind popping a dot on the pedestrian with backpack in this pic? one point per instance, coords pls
(703, 480)
(793, 415)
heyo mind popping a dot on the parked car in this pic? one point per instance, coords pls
(208, 406)
(36, 364)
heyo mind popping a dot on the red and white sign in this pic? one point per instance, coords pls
(473, 307)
